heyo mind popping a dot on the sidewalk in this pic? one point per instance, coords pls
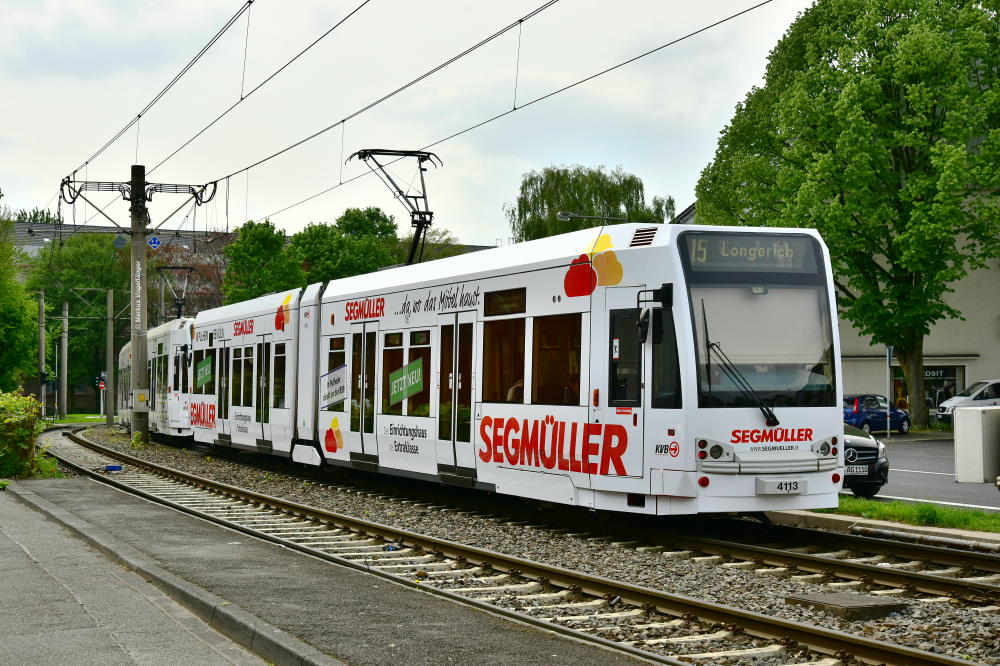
(63, 602)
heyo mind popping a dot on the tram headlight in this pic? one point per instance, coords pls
(715, 451)
(824, 448)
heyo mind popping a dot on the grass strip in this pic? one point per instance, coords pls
(932, 515)
(76, 418)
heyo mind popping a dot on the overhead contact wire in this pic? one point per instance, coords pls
(401, 88)
(259, 86)
(173, 81)
(526, 104)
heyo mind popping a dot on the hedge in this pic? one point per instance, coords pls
(20, 425)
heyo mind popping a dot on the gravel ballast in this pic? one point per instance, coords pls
(933, 626)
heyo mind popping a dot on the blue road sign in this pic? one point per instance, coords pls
(120, 242)
(153, 242)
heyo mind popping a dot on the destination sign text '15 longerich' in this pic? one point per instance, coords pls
(750, 252)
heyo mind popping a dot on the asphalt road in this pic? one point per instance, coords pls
(922, 468)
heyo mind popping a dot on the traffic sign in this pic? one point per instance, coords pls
(100, 385)
(153, 242)
(120, 242)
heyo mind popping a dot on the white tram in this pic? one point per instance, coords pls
(653, 369)
(168, 362)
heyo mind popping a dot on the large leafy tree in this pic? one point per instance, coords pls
(325, 253)
(67, 269)
(584, 191)
(879, 125)
(257, 263)
(18, 317)
(367, 222)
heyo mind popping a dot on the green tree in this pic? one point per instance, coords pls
(879, 125)
(257, 263)
(583, 191)
(438, 243)
(62, 269)
(18, 317)
(363, 222)
(324, 253)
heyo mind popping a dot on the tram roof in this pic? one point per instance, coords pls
(171, 325)
(550, 251)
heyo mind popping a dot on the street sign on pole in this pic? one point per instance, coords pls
(153, 242)
(100, 385)
(120, 242)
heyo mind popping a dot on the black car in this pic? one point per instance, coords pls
(866, 465)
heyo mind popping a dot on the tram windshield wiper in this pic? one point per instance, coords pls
(733, 373)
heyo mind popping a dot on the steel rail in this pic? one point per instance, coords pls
(971, 591)
(820, 639)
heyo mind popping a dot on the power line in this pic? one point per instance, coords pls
(529, 103)
(401, 88)
(259, 86)
(159, 95)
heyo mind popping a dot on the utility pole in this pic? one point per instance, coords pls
(64, 367)
(109, 380)
(140, 373)
(42, 376)
(137, 191)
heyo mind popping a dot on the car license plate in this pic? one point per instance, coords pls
(780, 486)
(856, 470)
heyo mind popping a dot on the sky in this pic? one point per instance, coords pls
(74, 72)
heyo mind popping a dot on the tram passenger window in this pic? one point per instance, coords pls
(503, 361)
(279, 376)
(176, 383)
(555, 360)
(392, 360)
(248, 376)
(336, 357)
(196, 360)
(237, 383)
(419, 404)
(446, 380)
(625, 367)
(666, 369)
(208, 387)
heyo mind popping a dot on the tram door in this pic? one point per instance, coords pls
(222, 388)
(616, 373)
(455, 389)
(364, 340)
(262, 413)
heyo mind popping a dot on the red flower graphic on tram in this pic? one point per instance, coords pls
(581, 278)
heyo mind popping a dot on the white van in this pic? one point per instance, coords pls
(981, 394)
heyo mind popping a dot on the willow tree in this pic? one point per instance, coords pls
(879, 125)
(584, 191)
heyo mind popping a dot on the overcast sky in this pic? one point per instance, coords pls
(74, 72)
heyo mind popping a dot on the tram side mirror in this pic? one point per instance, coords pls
(643, 325)
(665, 294)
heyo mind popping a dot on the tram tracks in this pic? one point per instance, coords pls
(653, 624)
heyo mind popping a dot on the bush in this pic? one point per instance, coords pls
(20, 424)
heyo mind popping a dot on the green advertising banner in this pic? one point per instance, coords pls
(203, 372)
(406, 381)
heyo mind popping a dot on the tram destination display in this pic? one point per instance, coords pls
(750, 252)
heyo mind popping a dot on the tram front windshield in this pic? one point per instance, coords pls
(761, 319)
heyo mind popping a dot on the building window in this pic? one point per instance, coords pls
(503, 361)
(555, 360)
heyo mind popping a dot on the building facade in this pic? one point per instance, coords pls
(956, 352)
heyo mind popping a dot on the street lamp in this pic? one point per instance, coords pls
(564, 216)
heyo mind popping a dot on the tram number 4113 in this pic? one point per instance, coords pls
(780, 487)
